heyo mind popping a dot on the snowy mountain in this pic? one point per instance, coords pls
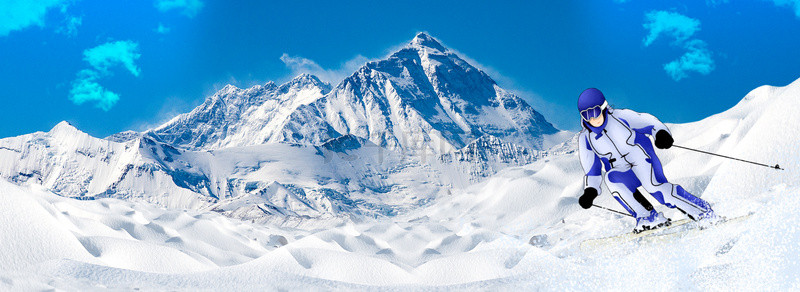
(241, 117)
(73, 164)
(517, 230)
(425, 98)
(396, 134)
(421, 98)
(344, 177)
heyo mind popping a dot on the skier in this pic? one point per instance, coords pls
(616, 139)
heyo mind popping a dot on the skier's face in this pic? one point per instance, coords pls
(597, 121)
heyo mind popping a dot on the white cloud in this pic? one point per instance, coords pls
(18, 15)
(162, 29)
(794, 4)
(300, 65)
(697, 59)
(86, 88)
(110, 54)
(673, 24)
(189, 8)
(70, 26)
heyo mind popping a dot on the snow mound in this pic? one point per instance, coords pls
(759, 253)
(40, 229)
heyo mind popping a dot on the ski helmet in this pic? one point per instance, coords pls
(591, 103)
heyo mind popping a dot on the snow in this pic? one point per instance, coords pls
(240, 117)
(395, 135)
(416, 172)
(403, 103)
(475, 237)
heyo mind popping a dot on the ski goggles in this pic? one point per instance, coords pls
(594, 111)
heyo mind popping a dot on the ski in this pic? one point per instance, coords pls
(677, 229)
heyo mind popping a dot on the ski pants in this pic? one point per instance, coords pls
(642, 168)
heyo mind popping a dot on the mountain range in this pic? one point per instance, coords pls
(396, 134)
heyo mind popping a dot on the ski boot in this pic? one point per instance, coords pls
(707, 215)
(651, 221)
(708, 219)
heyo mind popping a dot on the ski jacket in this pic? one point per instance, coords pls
(624, 131)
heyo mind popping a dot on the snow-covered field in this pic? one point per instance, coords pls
(54, 242)
(518, 229)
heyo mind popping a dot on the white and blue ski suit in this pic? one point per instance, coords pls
(622, 147)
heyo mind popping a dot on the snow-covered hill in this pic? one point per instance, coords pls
(73, 164)
(342, 178)
(759, 128)
(520, 229)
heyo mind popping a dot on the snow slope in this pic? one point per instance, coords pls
(344, 177)
(40, 228)
(519, 229)
(73, 164)
(241, 117)
(760, 253)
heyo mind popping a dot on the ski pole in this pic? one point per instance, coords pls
(612, 210)
(756, 163)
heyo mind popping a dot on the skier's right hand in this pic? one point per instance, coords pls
(588, 197)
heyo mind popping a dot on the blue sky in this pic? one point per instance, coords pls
(110, 66)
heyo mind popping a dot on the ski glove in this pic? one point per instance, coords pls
(588, 197)
(663, 139)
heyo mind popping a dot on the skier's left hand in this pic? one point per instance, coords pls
(588, 197)
(663, 139)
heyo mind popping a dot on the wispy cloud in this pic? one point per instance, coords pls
(794, 4)
(70, 26)
(111, 54)
(680, 29)
(711, 3)
(162, 29)
(300, 65)
(17, 15)
(86, 89)
(673, 24)
(714, 3)
(189, 8)
(102, 59)
(697, 59)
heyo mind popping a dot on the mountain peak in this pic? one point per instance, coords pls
(63, 126)
(305, 77)
(65, 130)
(423, 40)
(304, 80)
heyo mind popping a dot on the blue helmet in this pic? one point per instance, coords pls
(591, 103)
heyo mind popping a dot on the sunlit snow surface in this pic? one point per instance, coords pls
(477, 237)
